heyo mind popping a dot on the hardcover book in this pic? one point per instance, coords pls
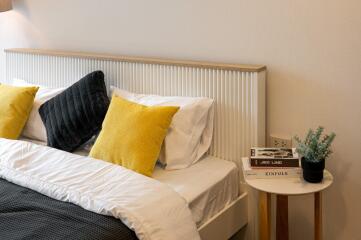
(269, 172)
(274, 157)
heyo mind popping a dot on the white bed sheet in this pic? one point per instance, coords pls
(208, 186)
(80, 151)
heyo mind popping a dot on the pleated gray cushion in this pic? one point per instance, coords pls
(75, 115)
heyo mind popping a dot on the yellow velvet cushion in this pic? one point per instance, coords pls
(15, 106)
(132, 135)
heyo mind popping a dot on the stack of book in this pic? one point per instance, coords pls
(272, 163)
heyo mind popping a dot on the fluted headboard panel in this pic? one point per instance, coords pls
(238, 90)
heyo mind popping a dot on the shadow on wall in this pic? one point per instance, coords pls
(301, 212)
(334, 208)
(334, 198)
(16, 30)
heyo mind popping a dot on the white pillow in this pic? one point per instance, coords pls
(190, 133)
(34, 128)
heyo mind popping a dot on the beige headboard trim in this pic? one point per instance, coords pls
(109, 57)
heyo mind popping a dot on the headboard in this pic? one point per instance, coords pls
(238, 90)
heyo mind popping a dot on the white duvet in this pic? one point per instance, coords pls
(150, 208)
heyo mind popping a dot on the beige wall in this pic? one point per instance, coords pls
(312, 50)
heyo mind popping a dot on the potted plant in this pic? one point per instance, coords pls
(314, 150)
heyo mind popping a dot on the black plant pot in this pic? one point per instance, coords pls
(313, 171)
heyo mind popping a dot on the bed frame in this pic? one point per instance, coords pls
(238, 90)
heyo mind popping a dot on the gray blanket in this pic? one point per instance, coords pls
(26, 214)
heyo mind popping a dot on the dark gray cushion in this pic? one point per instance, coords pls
(75, 115)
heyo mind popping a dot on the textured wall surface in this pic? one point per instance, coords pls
(312, 50)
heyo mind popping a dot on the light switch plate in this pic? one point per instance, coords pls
(280, 142)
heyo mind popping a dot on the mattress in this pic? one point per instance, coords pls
(208, 186)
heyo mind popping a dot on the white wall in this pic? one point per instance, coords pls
(312, 50)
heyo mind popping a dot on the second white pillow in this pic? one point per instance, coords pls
(34, 128)
(190, 133)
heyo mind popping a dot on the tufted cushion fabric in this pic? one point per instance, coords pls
(75, 115)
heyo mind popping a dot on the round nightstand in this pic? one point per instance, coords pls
(284, 187)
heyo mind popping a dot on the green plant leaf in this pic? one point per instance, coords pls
(315, 147)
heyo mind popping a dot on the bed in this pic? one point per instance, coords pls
(212, 188)
(208, 186)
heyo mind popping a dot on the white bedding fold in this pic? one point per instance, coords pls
(150, 208)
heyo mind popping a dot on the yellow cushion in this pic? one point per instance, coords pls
(132, 135)
(15, 107)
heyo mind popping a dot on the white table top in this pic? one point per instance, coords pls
(290, 186)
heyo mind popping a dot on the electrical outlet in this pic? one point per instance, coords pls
(280, 142)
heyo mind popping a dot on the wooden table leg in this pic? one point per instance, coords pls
(264, 216)
(282, 218)
(318, 216)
